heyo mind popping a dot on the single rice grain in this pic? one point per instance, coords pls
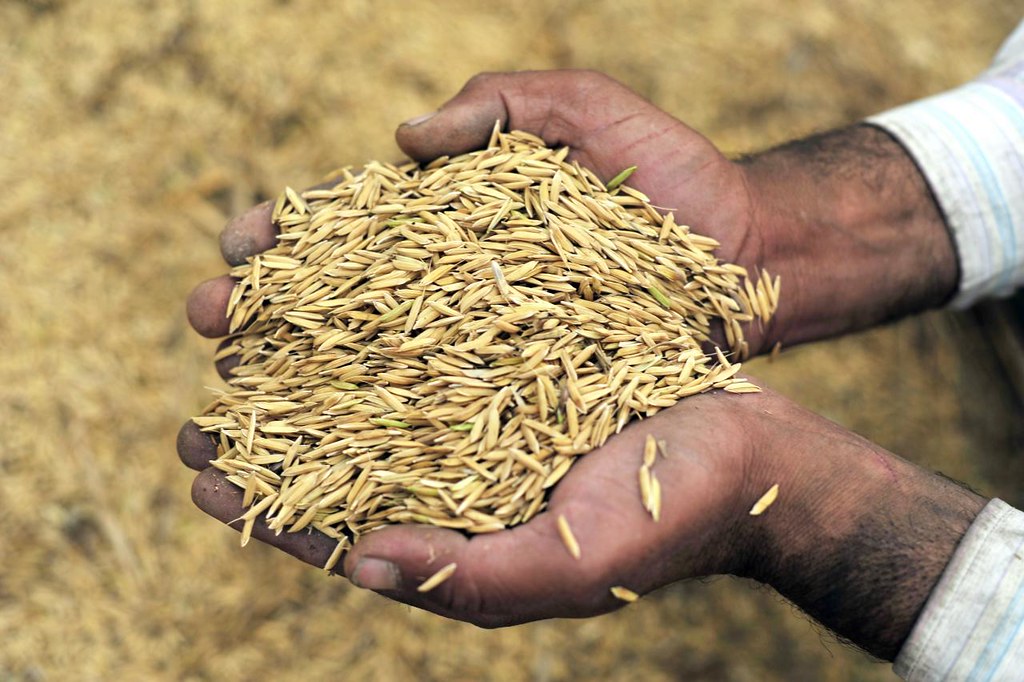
(433, 581)
(624, 594)
(568, 539)
(765, 501)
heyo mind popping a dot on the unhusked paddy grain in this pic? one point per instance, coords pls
(624, 594)
(655, 501)
(765, 501)
(650, 450)
(336, 554)
(439, 344)
(438, 578)
(568, 539)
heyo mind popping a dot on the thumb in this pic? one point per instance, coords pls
(568, 107)
(607, 127)
(498, 579)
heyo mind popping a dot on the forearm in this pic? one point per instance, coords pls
(849, 223)
(858, 537)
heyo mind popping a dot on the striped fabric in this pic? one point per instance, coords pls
(969, 143)
(971, 627)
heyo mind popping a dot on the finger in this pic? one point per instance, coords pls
(195, 448)
(248, 234)
(503, 578)
(580, 109)
(545, 103)
(528, 573)
(227, 363)
(215, 495)
(252, 232)
(207, 306)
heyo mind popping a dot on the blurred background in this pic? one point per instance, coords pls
(131, 130)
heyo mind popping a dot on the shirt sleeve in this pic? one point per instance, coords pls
(969, 144)
(971, 626)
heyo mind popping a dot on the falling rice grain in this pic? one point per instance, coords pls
(438, 578)
(655, 499)
(644, 479)
(336, 554)
(568, 539)
(650, 450)
(624, 594)
(765, 501)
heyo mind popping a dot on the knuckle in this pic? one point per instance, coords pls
(594, 76)
(481, 80)
(591, 79)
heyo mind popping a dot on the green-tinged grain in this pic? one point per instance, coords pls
(620, 178)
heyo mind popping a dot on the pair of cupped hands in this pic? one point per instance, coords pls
(854, 537)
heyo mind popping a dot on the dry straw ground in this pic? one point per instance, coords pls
(131, 130)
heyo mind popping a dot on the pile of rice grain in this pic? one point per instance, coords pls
(438, 344)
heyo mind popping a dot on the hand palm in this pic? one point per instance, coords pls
(525, 573)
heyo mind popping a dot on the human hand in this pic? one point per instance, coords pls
(845, 219)
(606, 126)
(609, 128)
(526, 573)
(857, 537)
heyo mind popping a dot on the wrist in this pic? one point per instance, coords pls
(857, 537)
(850, 225)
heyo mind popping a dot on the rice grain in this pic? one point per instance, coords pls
(433, 581)
(765, 501)
(624, 594)
(439, 344)
(568, 539)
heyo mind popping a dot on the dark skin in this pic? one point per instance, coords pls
(858, 536)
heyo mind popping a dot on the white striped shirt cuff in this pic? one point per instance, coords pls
(969, 144)
(971, 626)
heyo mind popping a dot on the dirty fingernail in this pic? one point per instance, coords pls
(376, 574)
(423, 118)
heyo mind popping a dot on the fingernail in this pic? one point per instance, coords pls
(422, 118)
(376, 574)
